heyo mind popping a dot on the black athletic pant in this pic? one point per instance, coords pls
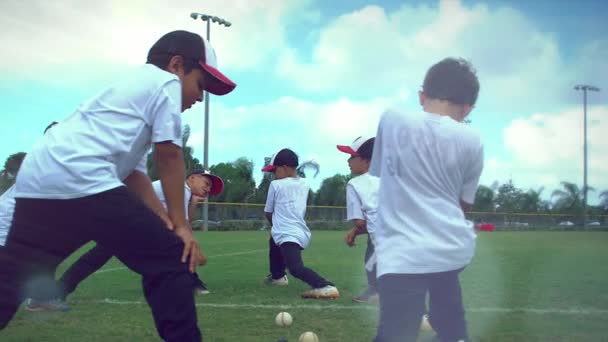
(402, 304)
(88, 264)
(372, 282)
(118, 221)
(289, 255)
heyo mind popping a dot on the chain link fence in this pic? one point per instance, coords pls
(250, 216)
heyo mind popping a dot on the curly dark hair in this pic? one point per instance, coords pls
(453, 80)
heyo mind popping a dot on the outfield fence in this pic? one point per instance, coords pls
(250, 216)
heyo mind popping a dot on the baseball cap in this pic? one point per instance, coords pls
(217, 184)
(353, 149)
(192, 46)
(284, 157)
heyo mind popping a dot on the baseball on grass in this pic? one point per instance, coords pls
(283, 319)
(308, 336)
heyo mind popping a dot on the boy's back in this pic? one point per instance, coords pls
(119, 122)
(426, 163)
(286, 201)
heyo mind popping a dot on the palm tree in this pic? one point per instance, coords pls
(604, 200)
(310, 164)
(9, 172)
(531, 201)
(569, 199)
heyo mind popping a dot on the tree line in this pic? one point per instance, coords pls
(242, 188)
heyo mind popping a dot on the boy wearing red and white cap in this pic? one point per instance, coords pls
(362, 208)
(285, 209)
(90, 158)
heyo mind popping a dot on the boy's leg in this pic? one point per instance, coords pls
(446, 311)
(292, 252)
(40, 238)
(402, 304)
(372, 282)
(198, 285)
(277, 262)
(86, 265)
(124, 226)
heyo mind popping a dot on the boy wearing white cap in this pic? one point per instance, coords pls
(285, 209)
(362, 208)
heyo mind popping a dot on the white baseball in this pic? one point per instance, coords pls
(308, 336)
(283, 319)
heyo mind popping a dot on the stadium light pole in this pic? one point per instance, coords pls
(208, 19)
(584, 88)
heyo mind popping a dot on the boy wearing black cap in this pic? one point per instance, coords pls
(362, 208)
(87, 158)
(285, 209)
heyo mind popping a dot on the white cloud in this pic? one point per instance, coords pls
(40, 36)
(547, 148)
(311, 129)
(370, 51)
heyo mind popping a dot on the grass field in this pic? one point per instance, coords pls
(522, 286)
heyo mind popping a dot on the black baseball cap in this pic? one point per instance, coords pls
(192, 46)
(284, 157)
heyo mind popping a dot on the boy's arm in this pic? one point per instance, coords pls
(354, 214)
(269, 207)
(194, 201)
(269, 218)
(170, 164)
(471, 180)
(139, 183)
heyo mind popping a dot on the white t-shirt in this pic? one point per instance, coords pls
(158, 189)
(287, 202)
(426, 163)
(105, 139)
(362, 201)
(7, 208)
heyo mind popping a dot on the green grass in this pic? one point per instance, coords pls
(522, 286)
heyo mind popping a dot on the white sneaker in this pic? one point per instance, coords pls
(283, 281)
(327, 292)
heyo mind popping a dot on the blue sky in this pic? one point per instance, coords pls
(313, 74)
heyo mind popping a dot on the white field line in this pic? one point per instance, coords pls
(579, 311)
(104, 270)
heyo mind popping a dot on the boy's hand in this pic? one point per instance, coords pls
(350, 237)
(167, 220)
(192, 249)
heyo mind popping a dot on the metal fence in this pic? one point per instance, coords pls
(250, 216)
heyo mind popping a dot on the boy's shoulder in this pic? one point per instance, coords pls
(289, 182)
(365, 180)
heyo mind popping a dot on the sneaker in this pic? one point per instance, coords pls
(327, 292)
(201, 289)
(283, 281)
(369, 296)
(425, 325)
(51, 305)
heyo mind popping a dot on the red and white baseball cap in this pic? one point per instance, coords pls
(192, 46)
(353, 149)
(217, 184)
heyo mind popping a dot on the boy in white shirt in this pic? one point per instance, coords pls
(285, 209)
(362, 208)
(70, 188)
(429, 165)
